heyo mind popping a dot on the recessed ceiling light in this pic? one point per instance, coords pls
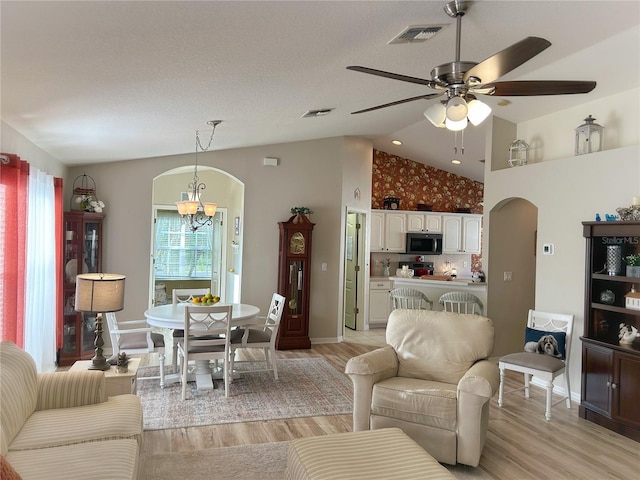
(456, 162)
(503, 102)
(396, 142)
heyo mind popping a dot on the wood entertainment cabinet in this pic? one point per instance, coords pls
(610, 370)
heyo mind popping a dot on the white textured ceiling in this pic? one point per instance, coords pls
(91, 81)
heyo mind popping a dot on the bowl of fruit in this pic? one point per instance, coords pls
(206, 300)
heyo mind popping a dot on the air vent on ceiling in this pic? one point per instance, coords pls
(320, 112)
(416, 33)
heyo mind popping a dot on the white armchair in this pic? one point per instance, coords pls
(432, 380)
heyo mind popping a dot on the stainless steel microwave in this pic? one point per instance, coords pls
(424, 243)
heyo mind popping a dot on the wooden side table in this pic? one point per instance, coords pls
(117, 383)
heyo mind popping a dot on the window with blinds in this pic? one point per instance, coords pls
(181, 253)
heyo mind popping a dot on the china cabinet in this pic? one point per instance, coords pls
(82, 253)
(294, 275)
(610, 369)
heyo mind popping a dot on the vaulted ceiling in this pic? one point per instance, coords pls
(101, 81)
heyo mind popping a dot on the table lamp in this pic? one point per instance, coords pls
(99, 293)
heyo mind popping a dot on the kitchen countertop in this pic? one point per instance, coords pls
(460, 281)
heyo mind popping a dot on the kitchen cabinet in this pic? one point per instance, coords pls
(461, 234)
(379, 302)
(424, 222)
(610, 371)
(294, 276)
(82, 253)
(387, 232)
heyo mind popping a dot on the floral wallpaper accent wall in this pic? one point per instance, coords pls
(412, 183)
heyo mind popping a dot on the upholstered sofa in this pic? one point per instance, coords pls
(432, 380)
(62, 425)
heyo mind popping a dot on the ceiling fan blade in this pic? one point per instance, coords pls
(506, 60)
(393, 76)
(406, 100)
(539, 87)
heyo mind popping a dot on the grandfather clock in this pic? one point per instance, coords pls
(294, 274)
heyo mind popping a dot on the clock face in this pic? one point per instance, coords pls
(296, 244)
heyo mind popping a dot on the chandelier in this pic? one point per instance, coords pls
(196, 213)
(455, 113)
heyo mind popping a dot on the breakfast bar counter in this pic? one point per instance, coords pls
(433, 289)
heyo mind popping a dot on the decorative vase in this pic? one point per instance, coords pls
(386, 271)
(614, 259)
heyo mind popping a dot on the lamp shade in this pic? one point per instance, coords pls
(456, 126)
(99, 292)
(478, 111)
(436, 114)
(187, 207)
(457, 109)
(209, 208)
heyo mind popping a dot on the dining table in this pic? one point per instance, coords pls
(171, 317)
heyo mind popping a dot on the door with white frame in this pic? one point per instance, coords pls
(185, 259)
(353, 273)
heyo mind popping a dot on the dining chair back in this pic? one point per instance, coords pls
(461, 302)
(183, 295)
(546, 355)
(135, 337)
(207, 337)
(410, 298)
(262, 335)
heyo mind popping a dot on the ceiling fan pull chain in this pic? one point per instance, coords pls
(462, 142)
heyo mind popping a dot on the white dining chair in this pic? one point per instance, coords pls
(183, 295)
(207, 337)
(262, 335)
(545, 366)
(137, 340)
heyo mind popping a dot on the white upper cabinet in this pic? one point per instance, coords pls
(387, 232)
(424, 222)
(461, 234)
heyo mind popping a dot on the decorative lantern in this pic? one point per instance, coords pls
(589, 137)
(518, 152)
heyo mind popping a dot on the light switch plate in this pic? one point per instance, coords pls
(547, 249)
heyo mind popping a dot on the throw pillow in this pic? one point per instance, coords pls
(6, 470)
(538, 341)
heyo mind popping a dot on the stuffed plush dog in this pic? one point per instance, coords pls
(547, 345)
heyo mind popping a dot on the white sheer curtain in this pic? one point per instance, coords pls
(40, 282)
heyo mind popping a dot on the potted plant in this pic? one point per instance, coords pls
(633, 265)
(300, 214)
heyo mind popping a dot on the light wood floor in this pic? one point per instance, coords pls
(520, 443)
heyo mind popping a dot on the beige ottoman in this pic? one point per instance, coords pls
(372, 454)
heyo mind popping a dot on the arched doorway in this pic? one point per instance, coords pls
(512, 271)
(211, 256)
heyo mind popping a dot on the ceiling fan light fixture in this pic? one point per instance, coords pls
(457, 109)
(436, 114)
(478, 111)
(456, 126)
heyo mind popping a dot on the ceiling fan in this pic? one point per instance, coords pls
(460, 81)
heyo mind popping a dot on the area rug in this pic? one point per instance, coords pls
(306, 387)
(265, 461)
